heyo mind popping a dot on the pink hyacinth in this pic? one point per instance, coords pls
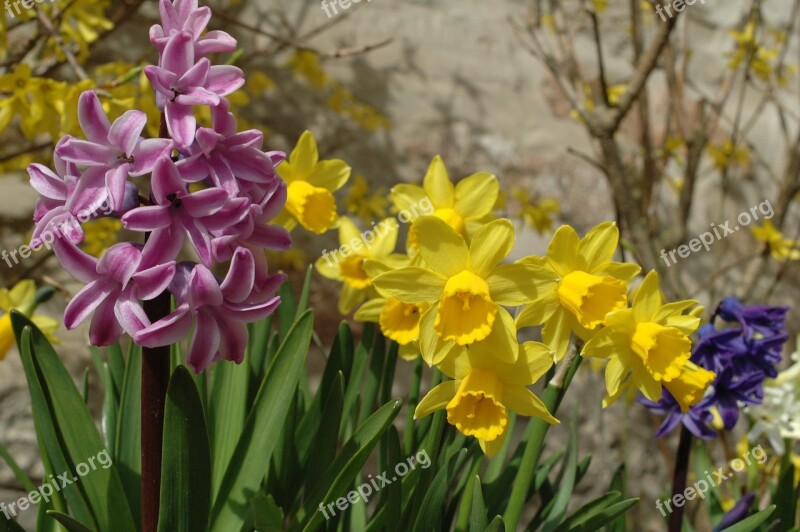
(214, 187)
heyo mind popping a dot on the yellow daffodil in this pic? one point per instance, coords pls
(648, 345)
(537, 215)
(781, 248)
(22, 298)
(361, 203)
(311, 184)
(346, 264)
(484, 389)
(465, 286)
(398, 321)
(465, 206)
(581, 286)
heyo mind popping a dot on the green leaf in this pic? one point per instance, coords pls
(598, 520)
(430, 514)
(323, 450)
(72, 525)
(69, 433)
(302, 304)
(186, 459)
(227, 411)
(250, 461)
(287, 311)
(590, 509)
(129, 432)
(496, 525)
(566, 486)
(753, 522)
(9, 525)
(785, 495)
(267, 516)
(478, 520)
(18, 472)
(343, 471)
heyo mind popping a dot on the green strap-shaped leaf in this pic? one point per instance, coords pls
(129, 432)
(227, 411)
(478, 521)
(323, 449)
(752, 522)
(186, 459)
(496, 525)
(341, 474)
(69, 430)
(250, 461)
(72, 525)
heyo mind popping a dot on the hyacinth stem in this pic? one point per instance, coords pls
(679, 478)
(534, 437)
(155, 378)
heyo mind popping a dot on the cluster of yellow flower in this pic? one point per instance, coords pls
(22, 298)
(449, 297)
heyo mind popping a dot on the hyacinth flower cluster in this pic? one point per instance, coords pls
(214, 188)
(742, 353)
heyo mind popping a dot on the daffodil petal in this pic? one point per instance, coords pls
(409, 351)
(406, 197)
(490, 245)
(328, 267)
(518, 284)
(501, 344)
(556, 331)
(436, 399)
(535, 359)
(647, 301)
(457, 364)
(649, 387)
(476, 195)
(539, 311)
(331, 174)
(384, 236)
(621, 270)
(348, 231)
(491, 448)
(433, 348)
(563, 250)
(411, 285)
(437, 184)
(349, 297)
(304, 155)
(602, 345)
(442, 249)
(523, 401)
(370, 311)
(23, 293)
(599, 245)
(615, 371)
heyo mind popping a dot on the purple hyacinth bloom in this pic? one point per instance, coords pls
(737, 513)
(233, 160)
(185, 15)
(696, 420)
(255, 231)
(181, 83)
(178, 214)
(115, 285)
(763, 319)
(111, 152)
(742, 357)
(219, 311)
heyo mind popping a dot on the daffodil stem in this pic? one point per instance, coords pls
(534, 437)
(679, 478)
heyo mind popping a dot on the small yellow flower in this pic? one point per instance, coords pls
(648, 345)
(484, 389)
(22, 297)
(465, 286)
(464, 207)
(361, 203)
(346, 264)
(581, 287)
(781, 248)
(537, 215)
(100, 234)
(727, 154)
(311, 184)
(398, 321)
